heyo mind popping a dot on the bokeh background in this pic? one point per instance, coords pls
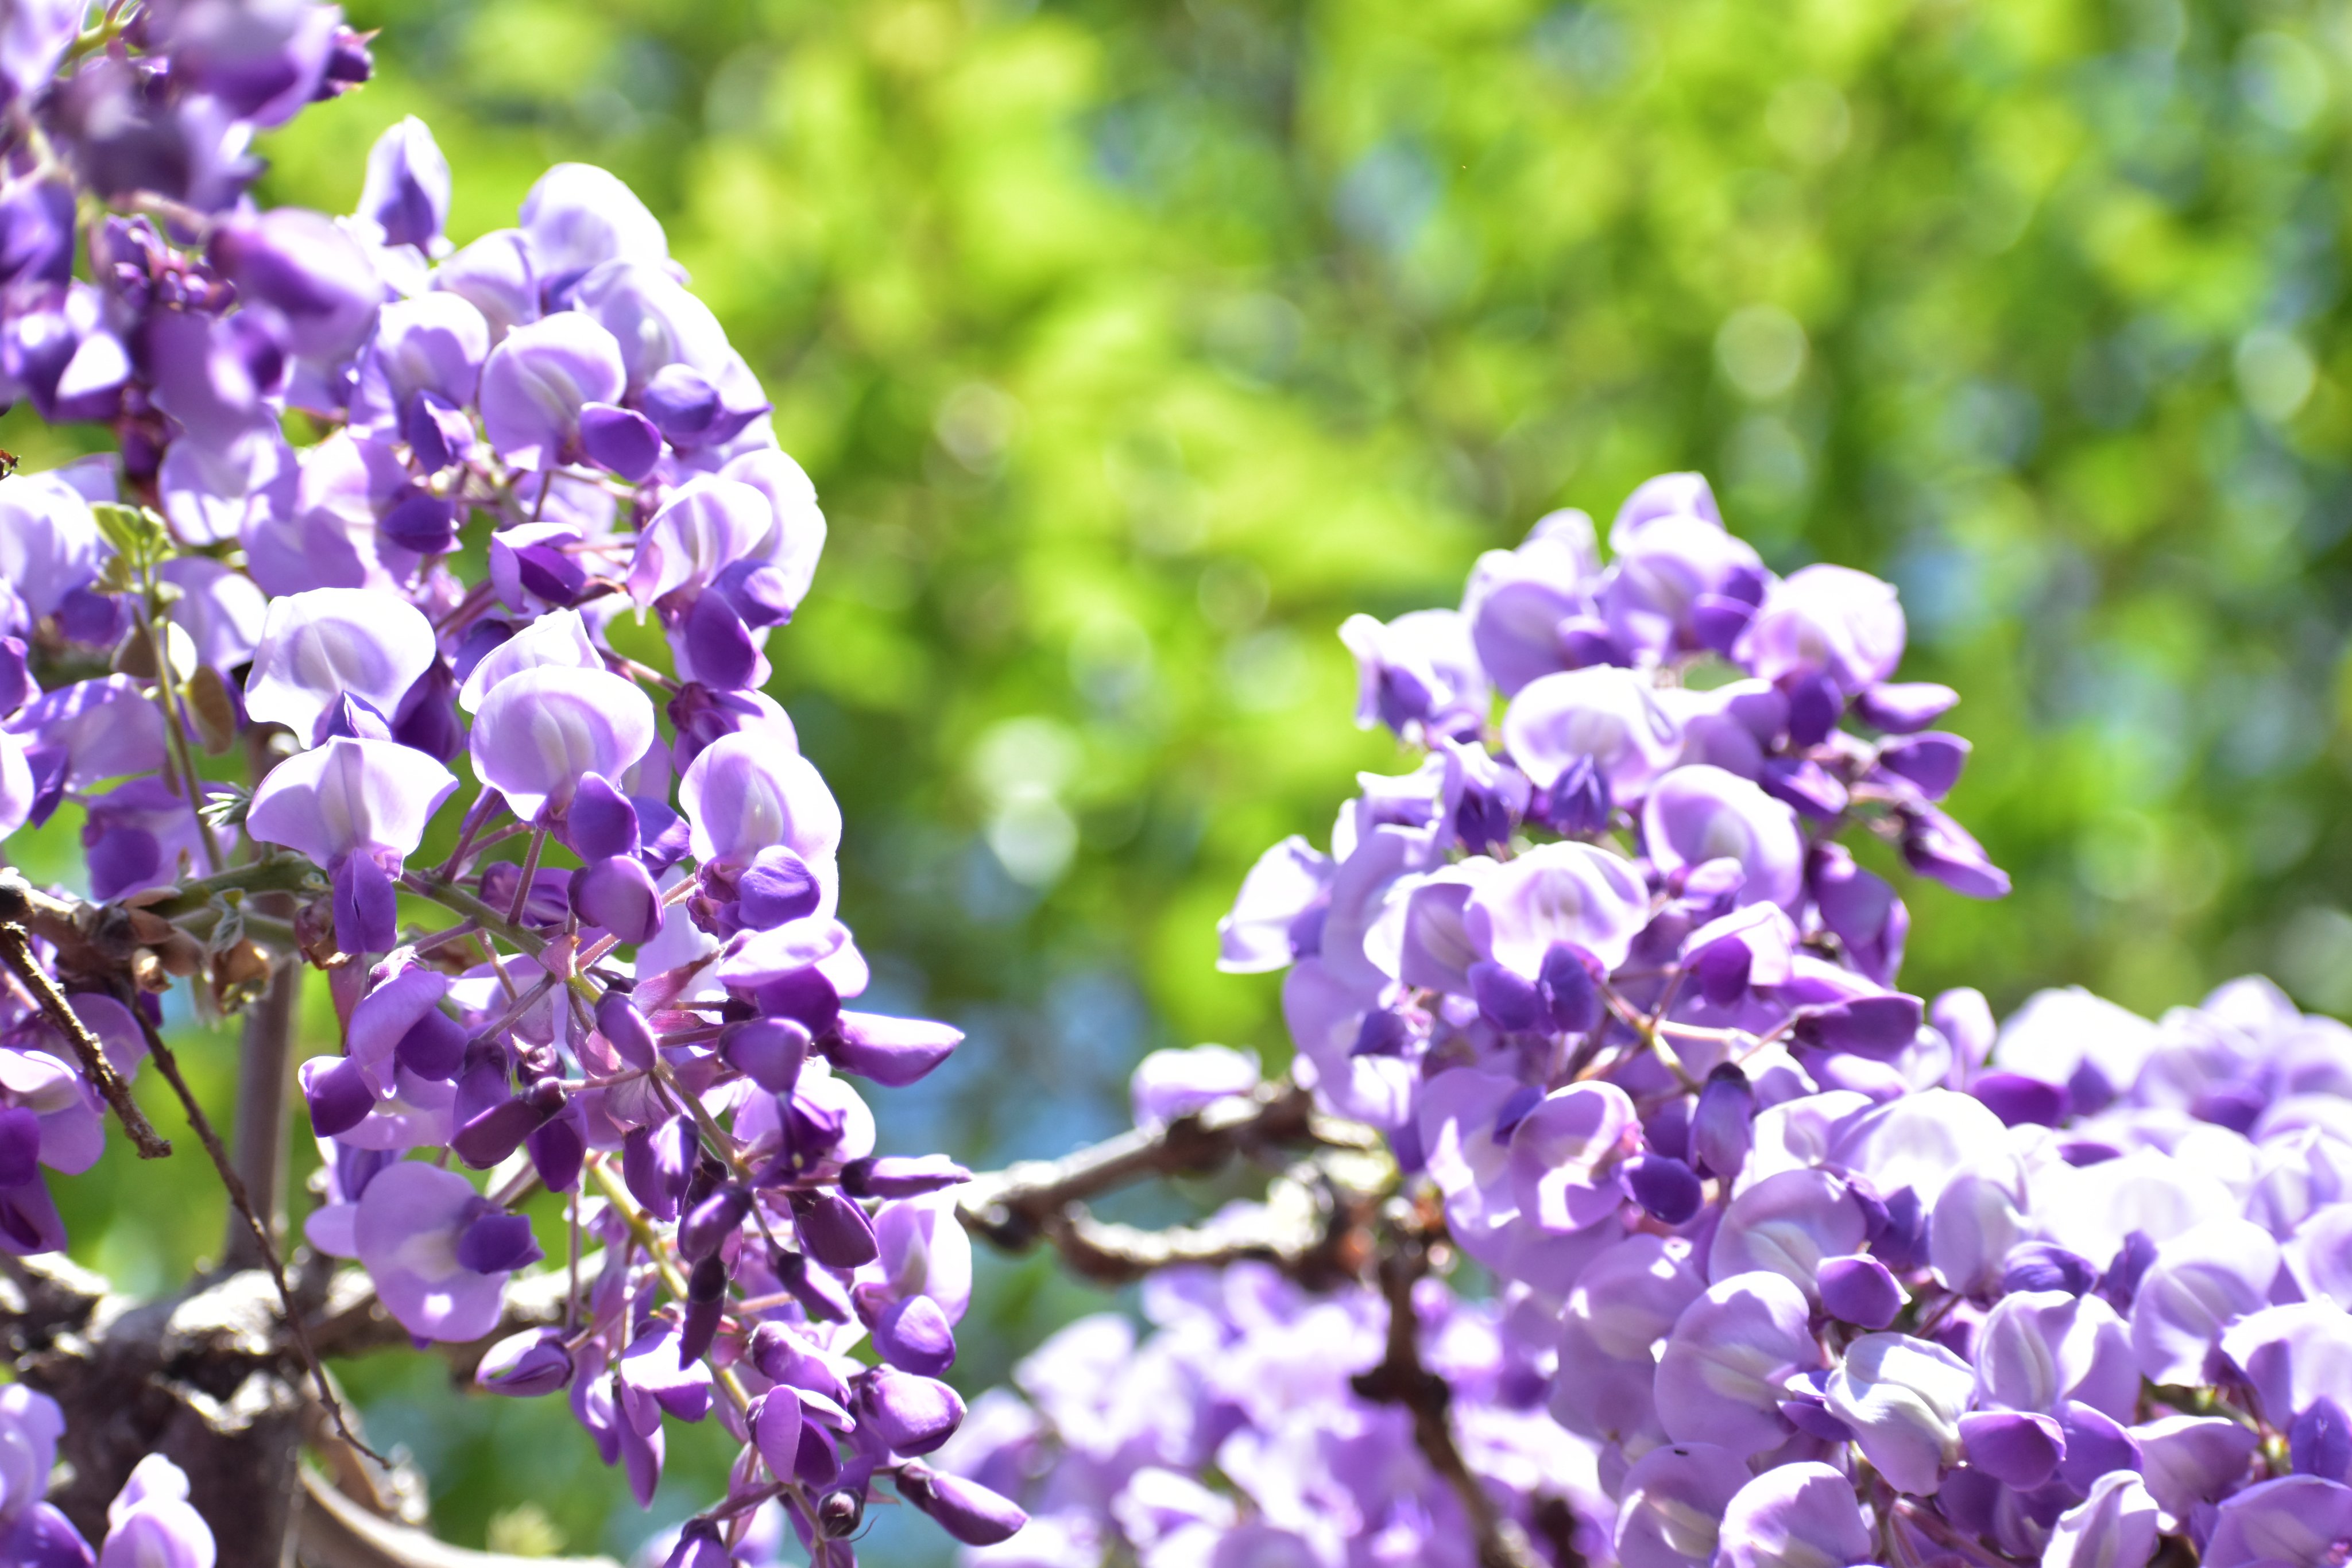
(1133, 345)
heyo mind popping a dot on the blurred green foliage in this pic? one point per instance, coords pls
(1132, 344)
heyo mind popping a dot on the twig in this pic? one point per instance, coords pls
(16, 951)
(170, 1067)
(263, 1106)
(1014, 1206)
(1401, 1378)
(336, 1532)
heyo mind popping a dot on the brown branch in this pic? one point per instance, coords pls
(1312, 1226)
(170, 1067)
(336, 1532)
(1043, 1201)
(264, 1108)
(1401, 1378)
(16, 918)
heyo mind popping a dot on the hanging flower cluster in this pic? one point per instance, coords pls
(267, 672)
(1791, 1269)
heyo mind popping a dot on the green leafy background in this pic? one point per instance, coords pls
(1132, 346)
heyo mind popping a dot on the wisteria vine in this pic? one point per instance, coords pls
(1788, 1269)
(268, 672)
(415, 633)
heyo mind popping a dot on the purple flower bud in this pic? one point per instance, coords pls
(912, 1414)
(1669, 1190)
(782, 1356)
(1939, 848)
(901, 1176)
(498, 1242)
(712, 1221)
(1804, 786)
(601, 821)
(407, 189)
(422, 522)
(1571, 995)
(336, 1089)
(43, 1538)
(2020, 1100)
(1723, 1125)
(778, 887)
(833, 1231)
(1903, 708)
(1578, 804)
(762, 594)
(656, 1163)
(718, 646)
(2096, 1445)
(1814, 704)
(498, 1132)
(769, 1051)
(914, 1335)
(839, 1514)
(1931, 762)
(1879, 1027)
(681, 403)
(706, 1303)
(892, 1052)
(367, 910)
(308, 274)
(2016, 1448)
(526, 1365)
(20, 1145)
(620, 441)
(625, 1028)
(967, 1511)
(1858, 1290)
(620, 895)
(2320, 1441)
(2119, 1286)
(2046, 1266)
(1506, 1000)
(698, 1546)
(558, 1147)
(37, 231)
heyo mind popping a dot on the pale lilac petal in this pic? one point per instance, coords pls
(701, 530)
(320, 645)
(1564, 1154)
(2301, 1521)
(1672, 1504)
(349, 796)
(2115, 1527)
(1263, 931)
(1826, 620)
(540, 731)
(1787, 1224)
(1797, 1516)
(2293, 1356)
(1721, 1378)
(745, 793)
(1702, 813)
(2190, 1459)
(1610, 714)
(1903, 1397)
(1176, 1082)
(1572, 893)
(538, 379)
(577, 215)
(559, 638)
(406, 1231)
(2204, 1280)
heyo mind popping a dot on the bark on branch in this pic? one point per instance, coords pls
(1311, 1226)
(1402, 1378)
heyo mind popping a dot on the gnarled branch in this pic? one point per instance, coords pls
(336, 1532)
(1308, 1225)
(1402, 1378)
